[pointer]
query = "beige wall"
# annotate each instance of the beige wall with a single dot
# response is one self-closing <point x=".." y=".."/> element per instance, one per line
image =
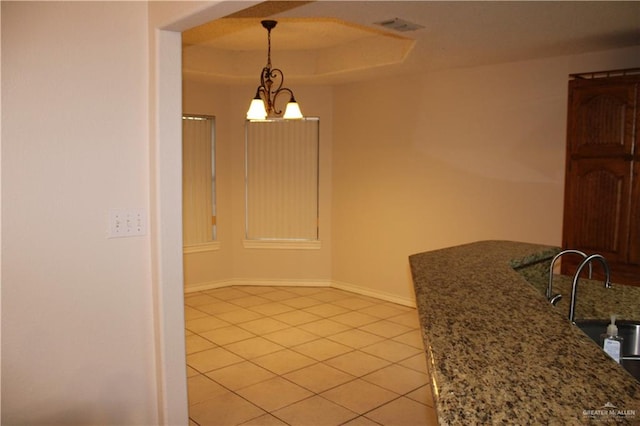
<point x="427" y="161"/>
<point x="77" y="315"/>
<point x="233" y="263"/>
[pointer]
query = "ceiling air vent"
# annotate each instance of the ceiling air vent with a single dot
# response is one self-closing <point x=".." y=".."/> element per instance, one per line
<point x="398" y="24"/>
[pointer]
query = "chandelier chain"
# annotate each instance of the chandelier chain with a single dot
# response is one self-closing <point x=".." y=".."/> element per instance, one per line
<point x="269" y="48"/>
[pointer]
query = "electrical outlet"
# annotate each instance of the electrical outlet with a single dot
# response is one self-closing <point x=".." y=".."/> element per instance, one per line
<point x="127" y="223"/>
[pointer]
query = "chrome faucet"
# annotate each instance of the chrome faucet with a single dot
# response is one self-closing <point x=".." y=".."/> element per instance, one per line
<point x="555" y="298"/>
<point x="574" y="286"/>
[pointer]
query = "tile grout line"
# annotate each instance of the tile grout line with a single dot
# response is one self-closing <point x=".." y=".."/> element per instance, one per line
<point x="349" y="308"/>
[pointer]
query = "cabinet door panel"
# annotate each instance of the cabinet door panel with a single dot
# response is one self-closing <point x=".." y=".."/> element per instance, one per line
<point x="600" y="120"/>
<point x="597" y="207"/>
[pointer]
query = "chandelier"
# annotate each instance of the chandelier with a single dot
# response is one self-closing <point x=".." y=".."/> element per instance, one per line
<point x="271" y="80"/>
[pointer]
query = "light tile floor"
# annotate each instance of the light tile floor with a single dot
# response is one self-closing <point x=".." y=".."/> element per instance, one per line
<point x="307" y="356"/>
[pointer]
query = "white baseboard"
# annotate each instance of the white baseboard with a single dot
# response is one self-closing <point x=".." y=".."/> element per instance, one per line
<point x="207" y="286"/>
<point x="257" y="282"/>
<point x="376" y="294"/>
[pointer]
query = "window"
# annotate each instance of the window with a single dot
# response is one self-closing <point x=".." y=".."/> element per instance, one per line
<point x="282" y="180"/>
<point x="198" y="183"/>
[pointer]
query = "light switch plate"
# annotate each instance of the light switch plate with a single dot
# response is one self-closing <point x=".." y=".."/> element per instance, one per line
<point x="127" y="223"/>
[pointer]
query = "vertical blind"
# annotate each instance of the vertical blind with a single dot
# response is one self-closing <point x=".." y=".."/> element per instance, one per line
<point x="282" y="180"/>
<point x="198" y="180"/>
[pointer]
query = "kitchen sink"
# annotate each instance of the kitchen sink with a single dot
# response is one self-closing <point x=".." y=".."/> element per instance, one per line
<point x="629" y="330"/>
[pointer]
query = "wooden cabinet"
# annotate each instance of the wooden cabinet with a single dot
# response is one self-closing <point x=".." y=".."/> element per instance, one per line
<point x="602" y="192"/>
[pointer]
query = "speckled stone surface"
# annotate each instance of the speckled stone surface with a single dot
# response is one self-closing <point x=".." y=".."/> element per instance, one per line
<point x="498" y="352"/>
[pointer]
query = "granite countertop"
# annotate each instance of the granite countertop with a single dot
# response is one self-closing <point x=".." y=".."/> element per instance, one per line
<point x="498" y="352"/>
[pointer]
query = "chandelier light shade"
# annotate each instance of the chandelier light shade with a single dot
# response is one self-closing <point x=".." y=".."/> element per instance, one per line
<point x="263" y="104"/>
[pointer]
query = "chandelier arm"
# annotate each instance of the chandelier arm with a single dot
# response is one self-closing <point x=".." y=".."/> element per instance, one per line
<point x="271" y="84"/>
<point x="278" y="93"/>
<point x="285" y="89"/>
<point x="276" y="73"/>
